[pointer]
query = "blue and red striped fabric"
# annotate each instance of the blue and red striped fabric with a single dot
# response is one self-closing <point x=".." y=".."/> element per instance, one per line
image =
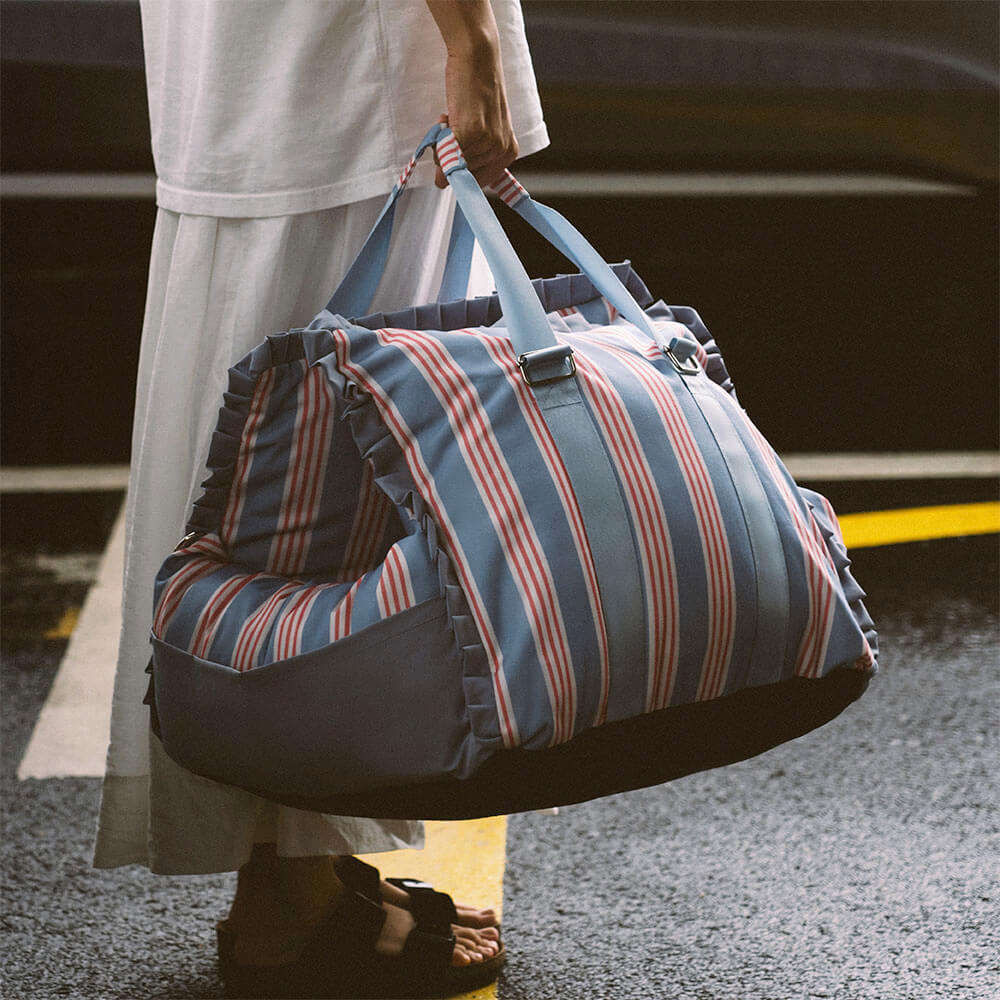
<point x="476" y="445"/>
<point x="316" y="539"/>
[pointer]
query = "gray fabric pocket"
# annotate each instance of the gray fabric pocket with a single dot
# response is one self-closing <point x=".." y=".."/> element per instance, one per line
<point x="382" y="707"/>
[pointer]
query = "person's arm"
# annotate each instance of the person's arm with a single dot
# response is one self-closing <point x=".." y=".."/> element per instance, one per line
<point x="474" y="87"/>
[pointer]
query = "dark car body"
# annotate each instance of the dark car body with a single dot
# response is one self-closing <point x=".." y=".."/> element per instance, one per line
<point x="800" y="84"/>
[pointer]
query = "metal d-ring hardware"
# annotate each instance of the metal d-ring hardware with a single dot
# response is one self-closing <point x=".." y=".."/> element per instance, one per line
<point x="189" y="539"/>
<point x="546" y="356"/>
<point x="680" y="353"/>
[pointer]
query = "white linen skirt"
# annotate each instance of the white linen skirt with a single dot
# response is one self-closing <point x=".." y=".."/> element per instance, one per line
<point x="217" y="287"/>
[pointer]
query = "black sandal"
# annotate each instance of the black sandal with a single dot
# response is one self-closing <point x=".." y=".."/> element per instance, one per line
<point x="341" y="960"/>
<point x="426" y="902"/>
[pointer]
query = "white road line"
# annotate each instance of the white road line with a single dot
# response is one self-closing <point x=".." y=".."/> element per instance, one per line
<point x="819" y="465"/>
<point x="91" y="185"/>
<point x="860" y="466"/>
<point x="574" y="184"/>
<point x="62" y="478"/>
<point x="70" y="738"/>
<point x="690" y="185"/>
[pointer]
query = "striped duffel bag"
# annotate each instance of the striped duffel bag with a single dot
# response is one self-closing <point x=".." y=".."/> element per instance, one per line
<point x="495" y="554"/>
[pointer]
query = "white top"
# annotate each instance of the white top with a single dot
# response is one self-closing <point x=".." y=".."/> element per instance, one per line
<point x="286" y="106"/>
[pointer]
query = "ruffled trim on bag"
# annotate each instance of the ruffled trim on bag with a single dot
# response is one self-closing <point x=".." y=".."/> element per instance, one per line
<point x="223" y="452"/>
<point x="378" y="445"/>
<point x="561" y="292"/>
<point x="224" y="449"/>
<point x="826" y="520"/>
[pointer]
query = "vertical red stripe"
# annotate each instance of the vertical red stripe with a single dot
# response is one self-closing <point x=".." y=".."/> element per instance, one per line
<point x="819" y="583"/>
<point x="244" y="460"/>
<point x="708" y="514"/>
<point x="306" y="471"/>
<point x="649" y="519"/>
<point x="503" y="354"/>
<point x="497" y="485"/>
<point x="449" y="540"/>
<point x="372" y="514"/>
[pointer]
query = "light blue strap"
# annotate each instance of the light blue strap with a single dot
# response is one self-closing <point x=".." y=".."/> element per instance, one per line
<point x="525" y="319"/>
<point x="356" y="290"/>
<point x="568" y="240"/>
<point x="573" y="427"/>
<point x="458" y="263"/>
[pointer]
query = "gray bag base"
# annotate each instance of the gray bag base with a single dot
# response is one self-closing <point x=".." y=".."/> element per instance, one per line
<point x="618" y="757"/>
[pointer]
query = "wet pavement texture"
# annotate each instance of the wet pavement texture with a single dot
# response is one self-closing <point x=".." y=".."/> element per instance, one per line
<point x="859" y="862"/>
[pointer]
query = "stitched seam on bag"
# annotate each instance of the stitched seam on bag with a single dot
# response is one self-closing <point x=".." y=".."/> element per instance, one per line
<point x="365" y="421"/>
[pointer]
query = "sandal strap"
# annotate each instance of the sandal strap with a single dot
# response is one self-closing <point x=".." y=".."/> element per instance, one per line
<point x="428" y="954"/>
<point x="359" y="876"/>
<point x="353" y="924"/>
<point x="429" y="907"/>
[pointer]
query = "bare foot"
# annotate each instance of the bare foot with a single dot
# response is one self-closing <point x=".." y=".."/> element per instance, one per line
<point x="471" y="944"/>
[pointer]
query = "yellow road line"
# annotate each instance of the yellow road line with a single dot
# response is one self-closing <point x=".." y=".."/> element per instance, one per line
<point x="66" y="625"/>
<point x="464" y="859"/>
<point x="915" y="524"/>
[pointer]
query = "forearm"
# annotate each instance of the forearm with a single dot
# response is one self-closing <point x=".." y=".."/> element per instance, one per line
<point x="467" y="27"/>
<point x="474" y="87"/>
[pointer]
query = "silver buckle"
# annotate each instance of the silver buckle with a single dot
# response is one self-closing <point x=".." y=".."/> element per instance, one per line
<point x="688" y="367"/>
<point x="561" y="352"/>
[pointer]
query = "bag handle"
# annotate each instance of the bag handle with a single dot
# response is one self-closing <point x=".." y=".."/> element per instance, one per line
<point x="550" y="224"/>
<point x="528" y="329"/>
<point x="356" y="290"/>
<point x="571" y="243"/>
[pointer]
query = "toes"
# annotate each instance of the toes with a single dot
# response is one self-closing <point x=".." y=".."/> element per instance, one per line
<point x="470" y="916"/>
<point x="464" y="954"/>
<point x="460" y="958"/>
<point x="474" y="941"/>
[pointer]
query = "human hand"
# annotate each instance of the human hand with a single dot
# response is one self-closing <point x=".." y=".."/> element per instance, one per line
<point x="474" y="90"/>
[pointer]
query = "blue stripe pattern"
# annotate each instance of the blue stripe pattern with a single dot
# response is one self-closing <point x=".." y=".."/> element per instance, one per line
<point x="745" y="579"/>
